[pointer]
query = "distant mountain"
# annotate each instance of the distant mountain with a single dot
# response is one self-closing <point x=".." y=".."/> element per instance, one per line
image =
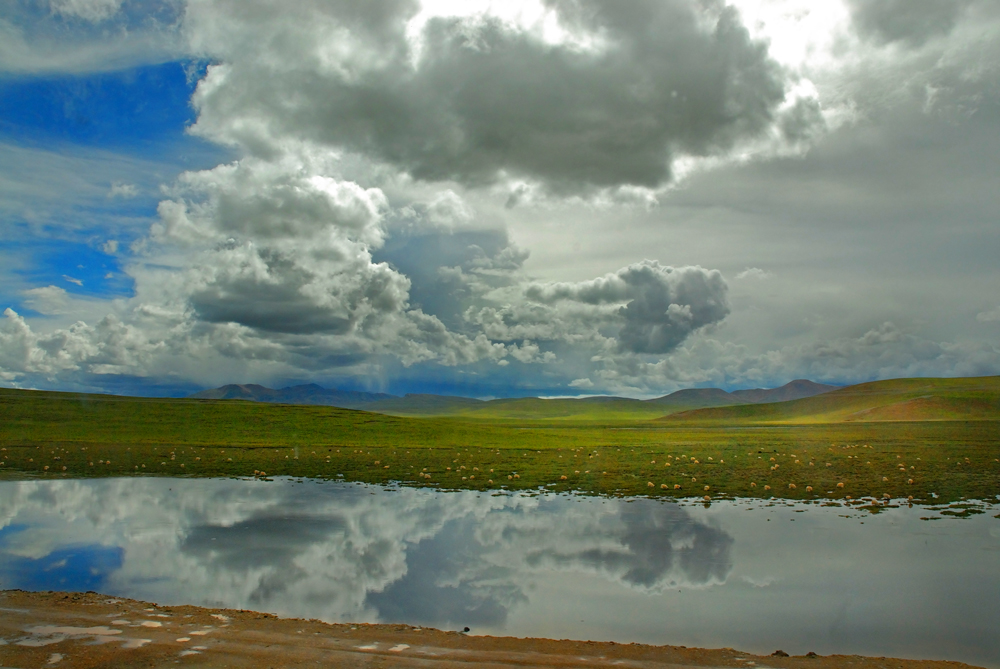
<point x="795" y="390"/>
<point x="304" y="394"/>
<point x="697" y="397"/>
<point x="598" y="407"/>
<point x="716" y="397"/>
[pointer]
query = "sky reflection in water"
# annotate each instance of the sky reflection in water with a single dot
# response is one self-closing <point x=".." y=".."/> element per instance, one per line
<point x="740" y="574"/>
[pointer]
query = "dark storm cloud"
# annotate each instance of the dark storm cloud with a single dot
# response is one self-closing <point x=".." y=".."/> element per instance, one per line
<point x="486" y="99"/>
<point x="910" y="21"/>
<point x="663" y="304"/>
<point x="666" y="309"/>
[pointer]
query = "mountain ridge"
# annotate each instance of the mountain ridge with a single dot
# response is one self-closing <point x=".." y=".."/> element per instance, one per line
<point x="511" y="408"/>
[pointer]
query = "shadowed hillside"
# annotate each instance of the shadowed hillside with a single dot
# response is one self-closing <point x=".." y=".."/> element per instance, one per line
<point x="976" y="398"/>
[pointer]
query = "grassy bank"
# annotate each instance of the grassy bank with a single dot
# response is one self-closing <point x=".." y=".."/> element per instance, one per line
<point x="69" y="435"/>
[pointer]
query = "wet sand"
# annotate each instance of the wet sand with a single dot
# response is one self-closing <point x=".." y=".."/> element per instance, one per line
<point x="82" y="630"/>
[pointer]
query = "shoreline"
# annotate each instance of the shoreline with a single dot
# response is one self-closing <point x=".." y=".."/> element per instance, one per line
<point x="69" y="630"/>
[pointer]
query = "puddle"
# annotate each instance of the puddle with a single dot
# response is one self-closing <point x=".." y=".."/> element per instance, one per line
<point x="73" y="631"/>
<point x="735" y="573"/>
<point x="46" y="635"/>
<point x="130" y="644"/>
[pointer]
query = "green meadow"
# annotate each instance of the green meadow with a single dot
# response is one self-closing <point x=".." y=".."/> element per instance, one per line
<point x="932" y="440"/>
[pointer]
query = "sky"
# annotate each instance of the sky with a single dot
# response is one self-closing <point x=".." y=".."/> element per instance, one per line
<point x="497" y="199"/>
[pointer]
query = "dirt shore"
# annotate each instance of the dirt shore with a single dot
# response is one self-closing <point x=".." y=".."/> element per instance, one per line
<point x="82" y="630"/>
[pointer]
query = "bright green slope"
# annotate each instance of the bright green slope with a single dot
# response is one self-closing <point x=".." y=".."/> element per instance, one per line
<point x="962" y="399"/>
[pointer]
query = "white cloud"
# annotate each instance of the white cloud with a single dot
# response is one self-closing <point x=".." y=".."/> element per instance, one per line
<point x="991" y="316"/>
<point x="123" y="190"/>
<point x="48" y="300"/>
<point x="396" y="162"/>
<point x="581" y="383"/>
<point x="109" y="347"/>
<point x="88" y="10"/>
<point x="265" y="267"/>
<point x="754" y="273"/>
<point x="72" y="280"/>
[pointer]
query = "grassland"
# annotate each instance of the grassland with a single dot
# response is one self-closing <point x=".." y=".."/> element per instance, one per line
<point x="55" y="435"/>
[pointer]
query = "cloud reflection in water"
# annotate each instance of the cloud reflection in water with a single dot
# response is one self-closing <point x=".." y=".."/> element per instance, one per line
<point x="349" y="552"/>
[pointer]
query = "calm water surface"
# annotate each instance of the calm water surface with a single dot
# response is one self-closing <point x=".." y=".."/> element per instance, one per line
<point x="744" y="574"/>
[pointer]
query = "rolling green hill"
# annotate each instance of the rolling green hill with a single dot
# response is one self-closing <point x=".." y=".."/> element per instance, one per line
<point x="975" y="398"/>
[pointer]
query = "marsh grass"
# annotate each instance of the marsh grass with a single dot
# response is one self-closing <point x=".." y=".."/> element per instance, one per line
<point x="99" y="436"/>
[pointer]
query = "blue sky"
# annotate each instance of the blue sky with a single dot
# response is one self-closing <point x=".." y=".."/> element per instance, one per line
<point x="497" y="199"/>
<point x="119" y="118"/>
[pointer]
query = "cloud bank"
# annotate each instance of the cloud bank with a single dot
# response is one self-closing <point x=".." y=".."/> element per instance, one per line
<point x="397" y="173"/>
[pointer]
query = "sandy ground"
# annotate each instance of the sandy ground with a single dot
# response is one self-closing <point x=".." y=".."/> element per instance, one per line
<point x="77" y="630"/>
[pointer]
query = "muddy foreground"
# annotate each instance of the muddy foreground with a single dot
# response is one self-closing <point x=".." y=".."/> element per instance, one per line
<point x="76" y="630"/>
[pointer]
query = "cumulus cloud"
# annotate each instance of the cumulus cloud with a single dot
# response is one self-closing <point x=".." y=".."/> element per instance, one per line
<point x="754" y="273"/>
<point x="282" y="250"/>
<point x="395" y="163"/>
<point x="483" y="99"/>
<point x="272" y="201"/>
<point x="109" y="347"/>
<point x="47" y="300"/>
<point x="662" y="305"/>
<point x="266" y="266"/>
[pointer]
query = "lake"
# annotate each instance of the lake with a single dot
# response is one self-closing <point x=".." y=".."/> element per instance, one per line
<point x="750" y="574"/>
